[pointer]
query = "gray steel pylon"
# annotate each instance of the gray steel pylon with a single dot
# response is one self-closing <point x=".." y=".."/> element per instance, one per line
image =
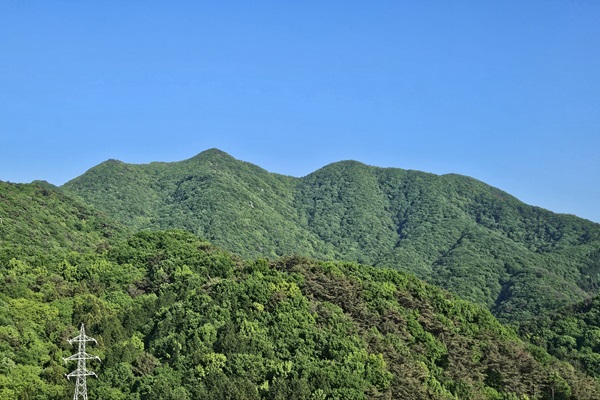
<point x="81" y="372"/>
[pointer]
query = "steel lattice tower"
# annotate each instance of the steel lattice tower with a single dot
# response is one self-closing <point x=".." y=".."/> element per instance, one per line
<point x="81" y="372"/>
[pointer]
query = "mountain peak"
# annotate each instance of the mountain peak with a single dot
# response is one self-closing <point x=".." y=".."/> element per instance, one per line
<point x="435" y="226"/>
<point x="212" y="153"/>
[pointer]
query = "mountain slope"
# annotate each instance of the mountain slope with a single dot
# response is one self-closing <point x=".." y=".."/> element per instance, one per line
<point x="39" y="218"/>
<point x="177" y="318"/>
<point x="450" y="230"/>
<point x="571" y="333"/>
<point x="234" y="204"/>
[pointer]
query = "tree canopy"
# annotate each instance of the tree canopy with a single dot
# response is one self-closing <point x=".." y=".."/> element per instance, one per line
<point x="177" y="318"/>
<point x="453" y="231"/>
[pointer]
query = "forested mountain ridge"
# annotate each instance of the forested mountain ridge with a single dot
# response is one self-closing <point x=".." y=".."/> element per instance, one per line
<point x="177" y="318"/>
<point x="39" y="219"/>
<point x="451" y="230"/>
<point x="63" y="262"/>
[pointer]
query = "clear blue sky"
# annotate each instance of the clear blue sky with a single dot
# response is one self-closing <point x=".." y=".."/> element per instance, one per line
<point x="507" y="92"/>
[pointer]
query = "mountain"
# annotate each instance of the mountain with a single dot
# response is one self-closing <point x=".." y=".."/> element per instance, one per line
<point x="178" y="318"/>
<point x="454" y="231"/>
<point x="231" y="203"/>
<point x="40" y="219"/>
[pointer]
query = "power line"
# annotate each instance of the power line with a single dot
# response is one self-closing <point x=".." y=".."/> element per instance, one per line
<point x="81" y="372"/>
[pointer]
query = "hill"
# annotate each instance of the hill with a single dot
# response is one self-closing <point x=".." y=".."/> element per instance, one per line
<point x="234" y="204"/>
<point x="40" y="219"/>
<point x="477" y="241"/>
<point x="177" y="318"/>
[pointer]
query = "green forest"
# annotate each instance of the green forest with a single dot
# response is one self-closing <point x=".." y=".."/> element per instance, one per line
<point x="452" y="231"/>
<point x="213" y="278"/>
<point x="571" y="333"/>
<point x="177" y="318"/>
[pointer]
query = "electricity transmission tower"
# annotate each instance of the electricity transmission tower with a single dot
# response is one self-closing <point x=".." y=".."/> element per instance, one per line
<point x="81" y="372"/>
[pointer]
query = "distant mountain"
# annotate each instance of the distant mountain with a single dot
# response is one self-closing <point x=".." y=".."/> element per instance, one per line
<point x="40" y="219"/>
<point x="451" y="230"/>
<point x="177" y="318"/>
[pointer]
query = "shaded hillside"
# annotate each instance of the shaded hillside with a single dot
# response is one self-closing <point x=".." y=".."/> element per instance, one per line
<point x="177" y="318"/>
<point x="40" y="219"/>
<point x="572" y="334"/>
<point x="450" y="230"/>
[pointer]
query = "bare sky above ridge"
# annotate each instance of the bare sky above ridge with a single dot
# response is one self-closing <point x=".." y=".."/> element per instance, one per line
<point x="505" y="92"/>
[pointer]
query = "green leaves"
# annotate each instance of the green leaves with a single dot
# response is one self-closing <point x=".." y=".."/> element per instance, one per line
<point x="215" y="326"/>
<point x="453" y="231"/>
<point x="180" y="318"/>
<point x="39" y="220"/>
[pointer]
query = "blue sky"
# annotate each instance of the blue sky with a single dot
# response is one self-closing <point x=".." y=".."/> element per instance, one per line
<point x="507" y="92"/>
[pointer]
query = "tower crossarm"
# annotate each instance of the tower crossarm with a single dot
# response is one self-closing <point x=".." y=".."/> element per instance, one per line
<point x="77" y="373"/>
<point x="81" y="356"/>
<point x="82" y="338"/>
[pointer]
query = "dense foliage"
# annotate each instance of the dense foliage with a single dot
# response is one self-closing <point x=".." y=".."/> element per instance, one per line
<point x="177" y="318"/>
<point x="39" y="220"/>
<point x="572" y="334"/>
<point x="453" y="231"/>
